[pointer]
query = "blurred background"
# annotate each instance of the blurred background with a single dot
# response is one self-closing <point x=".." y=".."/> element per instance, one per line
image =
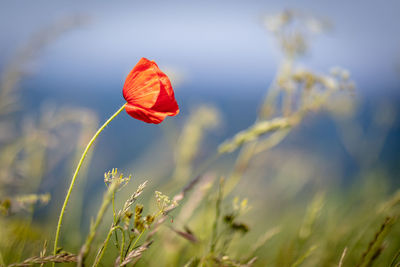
<point x="63" y="66"/>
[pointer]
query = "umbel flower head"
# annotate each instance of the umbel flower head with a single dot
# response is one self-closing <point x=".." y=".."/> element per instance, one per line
<point x="149" y="94"/>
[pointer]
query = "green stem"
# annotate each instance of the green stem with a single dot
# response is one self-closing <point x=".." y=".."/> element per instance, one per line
<point x="103" y="248"/>
<point x="217" y="215"/>
<point x="93" y="227"/>
<point x="140" y="235"/>
<point x="76" y="174"/>
<point x="113" y="207"/>
<point x="115" y="219"/>
<point x="137" y="239"/>
<point x="121" y="252"/>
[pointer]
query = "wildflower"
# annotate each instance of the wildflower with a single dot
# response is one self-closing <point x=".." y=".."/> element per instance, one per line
<point x="149" y="94"/>
<point x="150" y="98"/>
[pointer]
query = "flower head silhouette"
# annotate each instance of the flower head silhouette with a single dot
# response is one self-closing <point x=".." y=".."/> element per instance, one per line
<point x="149" y="94"/>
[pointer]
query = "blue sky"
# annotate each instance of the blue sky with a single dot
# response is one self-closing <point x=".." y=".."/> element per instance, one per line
<point x="217" y="43"/>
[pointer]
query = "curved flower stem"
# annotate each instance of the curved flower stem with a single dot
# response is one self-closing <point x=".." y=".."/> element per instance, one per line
<point x="76" y="174"/>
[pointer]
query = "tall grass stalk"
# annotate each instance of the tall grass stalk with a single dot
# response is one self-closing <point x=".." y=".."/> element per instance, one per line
<point x="217" y="215"/>
<point x="342" y="257"/>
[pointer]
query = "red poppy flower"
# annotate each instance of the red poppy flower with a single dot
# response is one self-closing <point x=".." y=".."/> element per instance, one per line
<point x="148" y="93"/>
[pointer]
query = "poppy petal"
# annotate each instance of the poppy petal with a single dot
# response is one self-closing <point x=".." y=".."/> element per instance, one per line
<point x="166" y="102"/>
<point x="144" y="114"/>
<point x="142" y="84"/>
<point x="149" y="93"/>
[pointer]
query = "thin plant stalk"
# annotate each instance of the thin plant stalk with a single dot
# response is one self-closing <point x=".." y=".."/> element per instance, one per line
<point x="130" y="245"/>
<point x="138" y="238"/>
<point x="76" y="174"/>
<point x="217" y="215"/>
<point x="103" y="248"/>
<point x="93" y="228"/>
<point x="100" y="254"/>
<point x="114" y="219"/>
